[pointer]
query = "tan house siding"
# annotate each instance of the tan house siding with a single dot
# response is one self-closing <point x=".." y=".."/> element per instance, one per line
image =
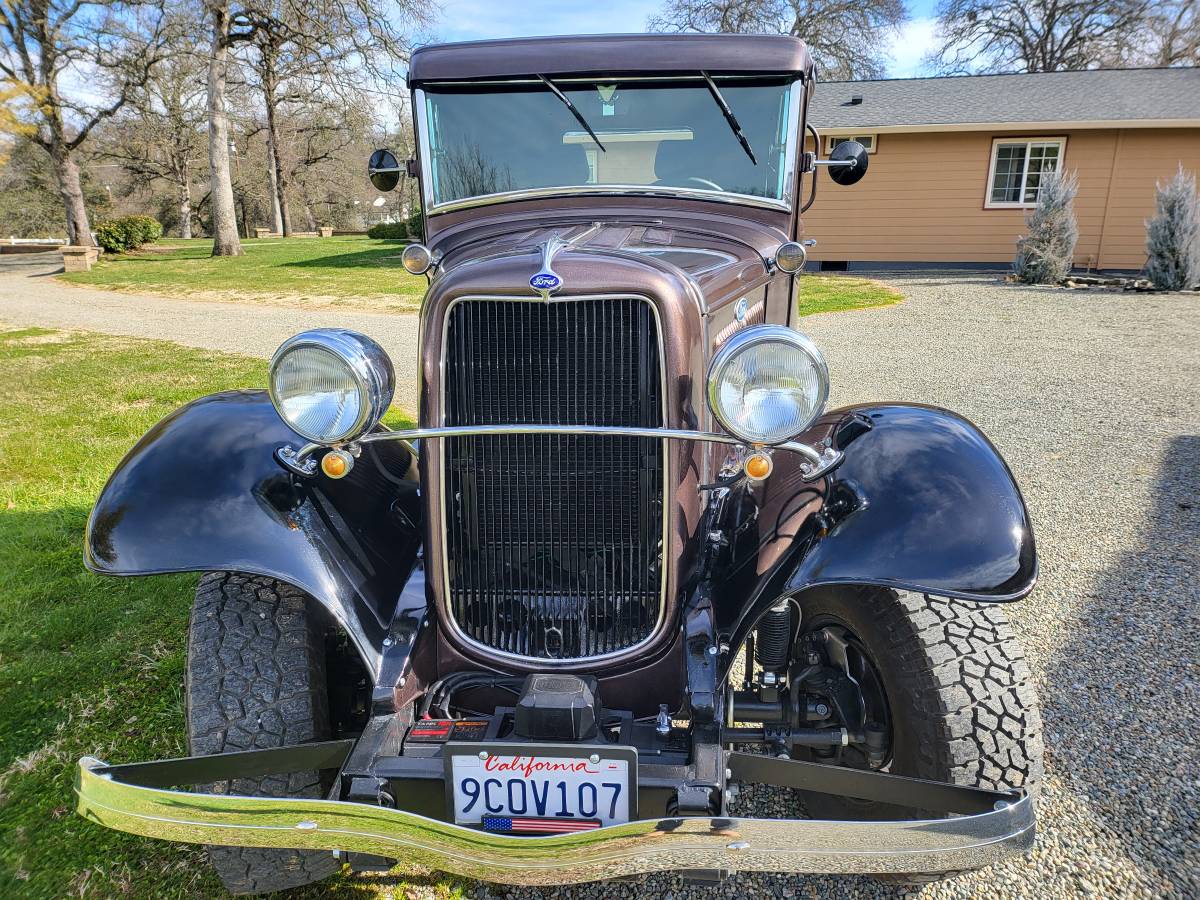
<point x="923" y="197"/>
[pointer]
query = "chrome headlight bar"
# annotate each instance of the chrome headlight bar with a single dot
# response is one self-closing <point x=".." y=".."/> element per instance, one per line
<point x="817" y="462"/>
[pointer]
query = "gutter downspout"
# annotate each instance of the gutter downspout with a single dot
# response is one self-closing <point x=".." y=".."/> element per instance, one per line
<point x="1112" y="172"/>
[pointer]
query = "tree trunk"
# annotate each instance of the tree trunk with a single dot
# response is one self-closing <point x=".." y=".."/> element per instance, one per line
<point x="79" y="232"/>
<point x="224" y="217"/>
<point x="309" y="217"/>
<point x="279" y="205"/>
<point x="273" y="186"/>
<point x="185" y="208"/>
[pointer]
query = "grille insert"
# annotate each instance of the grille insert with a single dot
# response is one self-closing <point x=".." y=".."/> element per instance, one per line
<point x="554" y="542"/>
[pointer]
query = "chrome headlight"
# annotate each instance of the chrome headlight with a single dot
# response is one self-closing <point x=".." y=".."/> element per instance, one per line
<point x="767" y="384"/>
<point x="331" y="385"/>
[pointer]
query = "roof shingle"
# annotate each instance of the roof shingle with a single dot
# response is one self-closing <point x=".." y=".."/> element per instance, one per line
<point x="1098" y="95"/>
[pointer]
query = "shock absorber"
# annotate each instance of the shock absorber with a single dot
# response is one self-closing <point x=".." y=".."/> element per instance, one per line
<point x="773" y="644"/>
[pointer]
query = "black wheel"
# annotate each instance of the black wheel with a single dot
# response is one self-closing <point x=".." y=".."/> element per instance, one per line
<point x="256" y="679"/>
<point x="947" y="679"/>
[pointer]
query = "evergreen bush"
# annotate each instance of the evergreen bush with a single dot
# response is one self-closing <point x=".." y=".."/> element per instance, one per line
<point x="127" y="233"/>
<point x="1173" y="235"/>
<point x="1045" y="254"/>
<point x="388" y="231"/>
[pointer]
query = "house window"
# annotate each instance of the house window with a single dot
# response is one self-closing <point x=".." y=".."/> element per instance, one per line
<point x="1018" y="167"/>
<point x="867" y="140"/>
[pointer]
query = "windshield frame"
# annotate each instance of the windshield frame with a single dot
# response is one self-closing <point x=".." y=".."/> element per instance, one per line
<point x="785" y="204"/>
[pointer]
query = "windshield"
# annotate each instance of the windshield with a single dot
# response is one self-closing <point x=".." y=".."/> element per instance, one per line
<point x="652" y="134"/>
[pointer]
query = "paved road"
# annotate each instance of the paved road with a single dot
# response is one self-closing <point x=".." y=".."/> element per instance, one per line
<point x="29" y="295"/>
<point x="1094" y="399"/>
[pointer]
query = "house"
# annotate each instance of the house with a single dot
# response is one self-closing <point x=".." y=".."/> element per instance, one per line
<point x="955" y="162"/>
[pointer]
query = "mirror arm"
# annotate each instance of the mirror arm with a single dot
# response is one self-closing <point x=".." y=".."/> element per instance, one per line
<point x="809" y="160"/>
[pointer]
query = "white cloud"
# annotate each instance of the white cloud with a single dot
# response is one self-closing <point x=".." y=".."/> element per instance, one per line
<point x="909" y="48"/>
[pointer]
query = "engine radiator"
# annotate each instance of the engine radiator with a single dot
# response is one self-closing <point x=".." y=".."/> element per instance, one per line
<point x="554" y="542"/>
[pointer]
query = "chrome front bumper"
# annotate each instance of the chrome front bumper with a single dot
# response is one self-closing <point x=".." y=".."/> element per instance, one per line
<point x="731" y="844"/>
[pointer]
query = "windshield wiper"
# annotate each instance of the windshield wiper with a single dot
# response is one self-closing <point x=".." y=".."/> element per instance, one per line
<point x="734" y="126"/>
<point x="571" y="106"/>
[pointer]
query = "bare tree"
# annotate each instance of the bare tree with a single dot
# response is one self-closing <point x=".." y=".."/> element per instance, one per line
<point x="848" y="38"/>
<point x="1169" y="35"/>
<point x="979" y="36"/>
<point x="305" y="52"/>
<point x="317" y="140"/>
<point x="116" y="43"/>
<point x="160" y="136"/>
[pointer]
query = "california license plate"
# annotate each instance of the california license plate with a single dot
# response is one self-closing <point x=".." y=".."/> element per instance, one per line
<point x="541" y="789"/>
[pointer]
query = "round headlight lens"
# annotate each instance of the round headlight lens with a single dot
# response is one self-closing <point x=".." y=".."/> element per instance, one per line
<point x="790" y="257"/>
<point x="767" y="384"/>
<point x="330" y="385"/>
<point x="416" y="258"/>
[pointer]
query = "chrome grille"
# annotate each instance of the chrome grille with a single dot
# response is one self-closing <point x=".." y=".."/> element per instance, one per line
<point x="554" y="542"/>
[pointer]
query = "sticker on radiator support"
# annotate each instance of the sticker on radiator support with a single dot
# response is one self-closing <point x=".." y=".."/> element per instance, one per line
<point x="471" y="729"/>
<point x="431" y="731"/>
<point x="438" y="731"/>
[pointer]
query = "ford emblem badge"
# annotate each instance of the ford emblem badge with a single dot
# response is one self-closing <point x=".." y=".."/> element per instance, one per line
<point x="545" y="281"/>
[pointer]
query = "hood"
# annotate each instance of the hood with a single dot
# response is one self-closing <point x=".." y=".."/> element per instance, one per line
<point x="717" y="260"/>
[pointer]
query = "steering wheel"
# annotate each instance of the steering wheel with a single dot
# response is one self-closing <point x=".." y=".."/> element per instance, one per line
<point x="704" y="181"/>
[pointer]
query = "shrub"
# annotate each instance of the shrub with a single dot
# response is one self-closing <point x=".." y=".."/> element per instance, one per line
<point x="415" y="226"/>
<point x="127" y="233"/>
<point x="111" y="236"/>
<point x="1173" y="235"/>
<point x="388" y="231"/>
<point x="1044" y="255"/>
<point x="147" y="227"/>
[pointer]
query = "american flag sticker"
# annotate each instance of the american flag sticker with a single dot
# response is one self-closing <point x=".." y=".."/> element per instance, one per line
<point x="528" y="825"/>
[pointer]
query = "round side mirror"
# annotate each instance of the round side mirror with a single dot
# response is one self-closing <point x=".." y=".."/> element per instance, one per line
<point x="848" y="150"/>
<point x="384" y="170"/>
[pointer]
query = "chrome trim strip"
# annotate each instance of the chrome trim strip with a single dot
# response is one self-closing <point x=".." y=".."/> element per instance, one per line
<point x="766" y="845"/>
<point x="612" y="190"/>
<point x="668" y="499"/>
<point x="825" y="460"/>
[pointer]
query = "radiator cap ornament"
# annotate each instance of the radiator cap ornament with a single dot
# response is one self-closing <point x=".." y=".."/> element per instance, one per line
<point x="546" y="281"/>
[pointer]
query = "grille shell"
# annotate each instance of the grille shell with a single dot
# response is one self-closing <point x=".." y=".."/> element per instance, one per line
<point x="553" y="543"/>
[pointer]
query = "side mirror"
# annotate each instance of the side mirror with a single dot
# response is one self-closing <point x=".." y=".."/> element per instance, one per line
<point x="384" y="170"/>
<point x="848" y="163"/>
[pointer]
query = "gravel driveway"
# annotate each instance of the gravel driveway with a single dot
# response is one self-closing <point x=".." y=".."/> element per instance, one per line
<point x="29" y="295"/>
<point x="1094" y="399"/>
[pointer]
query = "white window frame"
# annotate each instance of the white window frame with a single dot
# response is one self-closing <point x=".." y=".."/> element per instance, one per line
<point x="988" y="203"/>
<point x="832" y="139"/>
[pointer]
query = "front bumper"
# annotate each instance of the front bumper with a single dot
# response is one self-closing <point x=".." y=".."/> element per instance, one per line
<point x="692" y="842"/>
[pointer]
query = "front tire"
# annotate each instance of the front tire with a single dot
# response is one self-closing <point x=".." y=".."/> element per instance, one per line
<point x="959" y="692"/>
<point x="256" y="679"/>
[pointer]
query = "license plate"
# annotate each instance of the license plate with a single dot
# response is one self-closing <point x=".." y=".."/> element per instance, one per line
<point x="537" y="788"/>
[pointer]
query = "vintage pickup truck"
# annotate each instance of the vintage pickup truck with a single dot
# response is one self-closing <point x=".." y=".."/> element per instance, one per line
<point x="627" y="563"/>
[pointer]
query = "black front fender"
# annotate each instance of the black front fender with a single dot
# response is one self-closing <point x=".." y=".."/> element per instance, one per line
<point x="922" y="502"/>
<point x="202" y="491"/>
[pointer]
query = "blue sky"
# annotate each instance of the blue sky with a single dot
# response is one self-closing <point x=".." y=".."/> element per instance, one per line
<point x="466" y="20"/>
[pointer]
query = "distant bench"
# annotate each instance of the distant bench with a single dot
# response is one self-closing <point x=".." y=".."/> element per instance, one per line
<point x="268" y="233"/>
<point x="26" y="246"/>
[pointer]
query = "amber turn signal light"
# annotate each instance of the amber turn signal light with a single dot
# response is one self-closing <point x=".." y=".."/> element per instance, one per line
<point x="337" y="464"/>
<point x="758" y="466"/>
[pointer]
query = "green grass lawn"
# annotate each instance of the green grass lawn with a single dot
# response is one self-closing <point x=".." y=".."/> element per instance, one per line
<point x="94" y="665"/>
<point x="337" y="271"/>
<point x="352" y="272"/>
<point x="838" y="293"/>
